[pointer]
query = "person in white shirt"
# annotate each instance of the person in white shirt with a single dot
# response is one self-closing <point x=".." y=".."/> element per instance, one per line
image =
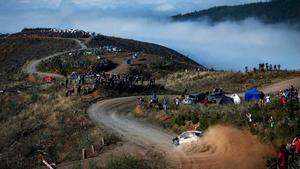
<point x="268" y="99"/>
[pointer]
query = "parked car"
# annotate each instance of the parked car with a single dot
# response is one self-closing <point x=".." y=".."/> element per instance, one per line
<point x="194" y="98"/>
<point x="215" y="95"/>
<point x="187" y="137"/>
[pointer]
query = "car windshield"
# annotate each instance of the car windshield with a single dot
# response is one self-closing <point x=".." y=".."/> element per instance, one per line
<point x="186" y="135"/>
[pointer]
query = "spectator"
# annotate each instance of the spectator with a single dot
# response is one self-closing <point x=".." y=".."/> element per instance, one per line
<point x="177" y="102"/>
<point x="165" y="105"/>
<point x="283" y="99"/>
<point x="249" y="116"/>
<point x="262" y="98"/>
<point x="272" y="122"/>
<point x="79" y="89"/>
<point x="268" y="99"/>
<point x="205" y="101"/>
<point x="282" y="157"/>
<point x="67" y="82"/>
<point x="296" y="142"/>
<point x="291" y="149"/>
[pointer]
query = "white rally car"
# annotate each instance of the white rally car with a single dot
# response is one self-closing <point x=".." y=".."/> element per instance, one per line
<point x="187" y="137"/>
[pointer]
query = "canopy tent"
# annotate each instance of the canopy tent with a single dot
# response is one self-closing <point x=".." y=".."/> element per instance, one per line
<point x="74" y="75"/>
<point x="225" y="100"/>
<point x="236" y="98"/>
<point x="49" y="79"/>
<point x="252" y="94"/>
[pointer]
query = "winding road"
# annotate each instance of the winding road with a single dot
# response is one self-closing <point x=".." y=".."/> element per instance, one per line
<point x="31" y="67"/>
<point x="220" y="146"/>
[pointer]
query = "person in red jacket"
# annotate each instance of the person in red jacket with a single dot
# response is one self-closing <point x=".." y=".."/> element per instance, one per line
<point x="283" y="100"/>
<point x="205" y="101"/>
<point x="282" y="157"/>
<point x="296" y="142"/>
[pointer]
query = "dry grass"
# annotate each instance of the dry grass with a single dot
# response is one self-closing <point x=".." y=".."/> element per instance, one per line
<point x="53" y="124"/>
<point x="15" y="51"/>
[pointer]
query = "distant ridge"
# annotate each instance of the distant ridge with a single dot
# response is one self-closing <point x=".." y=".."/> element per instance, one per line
<point x="275" y="11"/>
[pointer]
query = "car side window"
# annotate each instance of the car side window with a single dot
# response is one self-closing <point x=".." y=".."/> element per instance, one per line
<point x="198" y="134"/>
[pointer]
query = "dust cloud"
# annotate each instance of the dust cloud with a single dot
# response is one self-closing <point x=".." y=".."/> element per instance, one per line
<point x="225" y="147"/>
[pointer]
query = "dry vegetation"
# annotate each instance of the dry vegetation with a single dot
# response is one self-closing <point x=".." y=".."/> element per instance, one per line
<point x="46" y="122"/>
<point x="15" y="51"/>
<point x="231" y="82"/>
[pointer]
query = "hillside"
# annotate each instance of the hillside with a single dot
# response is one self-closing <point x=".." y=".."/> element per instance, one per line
<point x="15" y="51"/>
<point x="276" y="11"/>
<point x="178" y="60"/>
<point x="231" y="82"/>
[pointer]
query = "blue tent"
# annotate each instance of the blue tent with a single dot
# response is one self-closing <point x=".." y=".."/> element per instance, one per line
<point x="252" y="94"/>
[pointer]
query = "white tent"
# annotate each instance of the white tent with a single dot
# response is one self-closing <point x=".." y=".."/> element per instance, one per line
<point x="236" y="98"/>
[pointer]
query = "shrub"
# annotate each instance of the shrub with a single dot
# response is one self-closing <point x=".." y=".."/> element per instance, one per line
<point x="203" y="124"/>
<point x="12" y="105"/>
<point x="195" y="118"/>
<point x="34" y="97"/>
<point x="180" y="120"/>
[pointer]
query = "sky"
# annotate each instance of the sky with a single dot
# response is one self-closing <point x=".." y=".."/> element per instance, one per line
<point x="226" y="45"/>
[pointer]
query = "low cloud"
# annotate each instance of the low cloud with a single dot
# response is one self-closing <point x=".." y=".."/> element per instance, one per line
<point x="226" y="45"/>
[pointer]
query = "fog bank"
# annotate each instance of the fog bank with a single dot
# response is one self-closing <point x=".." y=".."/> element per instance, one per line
<point x="226" y="45"/>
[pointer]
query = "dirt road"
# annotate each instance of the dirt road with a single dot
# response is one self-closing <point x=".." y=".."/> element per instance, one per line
<point x="115" y="114"/>
<point x="276" y="87"/>
<point x="30" y="67"/>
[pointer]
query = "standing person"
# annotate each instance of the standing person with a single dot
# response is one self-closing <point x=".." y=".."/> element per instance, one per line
<point x="79" y="89"/>
<point x="142" y="101"/>
<point x="283" y="100"/>
<point x="177" y="102"/>
<point x="249" y="116"/>
<point x="83" y="79"/>
<point x="296" y="142"/>
<point x="282" y="157"/>
<point x="268" y="99"/>
<point x="165" y="105"/>
<point x="290" y="147"/>
<point x="67" y="82"/>
<point x="205" y="101"/>
<point x="262" y="98"/>
<point x="272" y="122"/>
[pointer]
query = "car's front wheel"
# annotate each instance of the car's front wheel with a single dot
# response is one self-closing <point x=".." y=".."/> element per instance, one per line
<point x="176" y="142"/>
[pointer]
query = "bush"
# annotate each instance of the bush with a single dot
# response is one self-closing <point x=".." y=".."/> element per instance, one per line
<point x="203" y="124"/>
<point x="195" y="118"/>
<point x="180" y="120"/>
<point x="34" y="97"/>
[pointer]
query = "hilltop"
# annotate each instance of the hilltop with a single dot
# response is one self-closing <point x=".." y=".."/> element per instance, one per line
<point x="36" y="43"/>
<point x="276" y="11"/>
